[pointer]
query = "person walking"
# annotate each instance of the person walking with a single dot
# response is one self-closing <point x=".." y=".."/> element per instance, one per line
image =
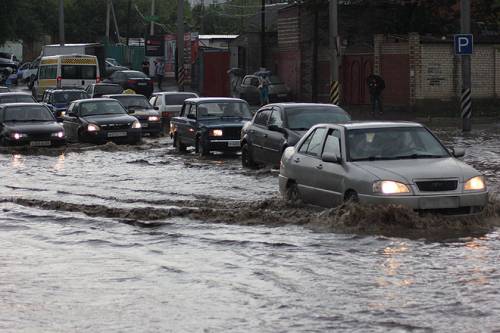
<point x="145" y="66"/>
<point x="376" y="85"/>
<point x="159" y="72"/>
<point x="264" y="89"/>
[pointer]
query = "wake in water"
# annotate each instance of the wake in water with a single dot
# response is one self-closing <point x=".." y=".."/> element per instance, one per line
<point x="394" y="221"/>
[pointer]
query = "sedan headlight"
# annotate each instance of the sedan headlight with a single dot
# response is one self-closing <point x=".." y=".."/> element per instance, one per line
<point x="17" y="136"/>
<point x="59" y="135"/>
<point x="63" y="113"/>
<point x="475" y="184"/>
<point x="390" y="187"/>
<point x="136" y="124"/>
<point x="92" y="128"/>
<point x="216" y="132"/>
<point x="153" y="118"/>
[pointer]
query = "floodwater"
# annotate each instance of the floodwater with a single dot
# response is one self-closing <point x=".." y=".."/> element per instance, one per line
<point x="123" y="239"/>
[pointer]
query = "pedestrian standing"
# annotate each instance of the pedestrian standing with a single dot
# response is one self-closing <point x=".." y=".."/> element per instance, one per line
<point x="376" y="85"/>
<point x="145" y="66"/>
<point x="159" y="72"/>
<point x="264" y="89"/>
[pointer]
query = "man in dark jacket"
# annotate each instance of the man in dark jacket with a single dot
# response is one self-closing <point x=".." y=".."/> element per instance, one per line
<point x="376" y="85"/>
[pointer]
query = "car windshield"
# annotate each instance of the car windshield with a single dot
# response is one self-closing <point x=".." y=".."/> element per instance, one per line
<point x="301" y="118"/>
<point x="224" y="109"/>
<point x="28" y="113"/>
<point x="5" y="55"/>
<point x="139" y="102"/>
<point x="132" y="75"/>
<point x="16" y="99"/>
<point x="177" y="99"/>
<point x="69" y="96"/>
<point x="100" y="90"/>
<point x="102" y="107"/>
<point x="393" y="143"/>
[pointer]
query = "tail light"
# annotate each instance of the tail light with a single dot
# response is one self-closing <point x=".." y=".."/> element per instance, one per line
<point x="131" y="81"/>
<point x="58" y="80"/>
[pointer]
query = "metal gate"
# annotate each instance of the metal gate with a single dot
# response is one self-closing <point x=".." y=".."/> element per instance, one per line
<point x="355" y="71"/>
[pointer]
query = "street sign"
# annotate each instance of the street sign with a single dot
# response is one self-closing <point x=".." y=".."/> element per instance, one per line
<point x="154" y="46"/>
<point x="463" y="44"/>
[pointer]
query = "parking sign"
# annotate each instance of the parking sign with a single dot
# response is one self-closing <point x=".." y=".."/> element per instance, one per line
<point x="463" y="44"/>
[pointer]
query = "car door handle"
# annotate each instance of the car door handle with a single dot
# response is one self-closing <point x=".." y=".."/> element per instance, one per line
<point x="296" y="160"/>
<point x="319" y="166"/>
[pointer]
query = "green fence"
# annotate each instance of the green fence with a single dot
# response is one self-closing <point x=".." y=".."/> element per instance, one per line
<point x="131" y="56"/>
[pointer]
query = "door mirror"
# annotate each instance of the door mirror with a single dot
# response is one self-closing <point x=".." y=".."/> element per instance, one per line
<point x="71" y="114"/>
<point x="458" y="152"/>
<point x="156" y="108"/>
<point x="191" y="116"/>
<point x="331" y="158"/>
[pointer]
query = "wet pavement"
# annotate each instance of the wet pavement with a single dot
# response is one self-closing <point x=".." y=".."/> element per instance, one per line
<point x="139" y="238"/>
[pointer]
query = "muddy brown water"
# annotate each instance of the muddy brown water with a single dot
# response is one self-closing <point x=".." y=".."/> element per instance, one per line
<point x="120" y="238"/>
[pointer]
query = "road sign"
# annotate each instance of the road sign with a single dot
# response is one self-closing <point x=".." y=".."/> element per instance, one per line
<point x="463" y="44"/>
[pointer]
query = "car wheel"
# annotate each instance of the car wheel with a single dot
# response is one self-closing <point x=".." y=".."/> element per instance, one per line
<point x="351" y="196"/>
<point x="179" y="146"/>
<point x="247" y="160"/>
<point x="201" y="149"/>
<point x="292" y="194"/>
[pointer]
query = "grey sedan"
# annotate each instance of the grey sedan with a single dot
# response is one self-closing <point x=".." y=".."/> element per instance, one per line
<point x="380" y="163"/>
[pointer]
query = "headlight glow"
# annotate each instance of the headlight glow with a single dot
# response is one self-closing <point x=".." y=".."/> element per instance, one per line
<point x="153" y="118"/>
<point x="92" y="128"/>
<point x="136" y="124"/>
<point x="59" y="135"/>
<point x="475" y="184"/>
<point x="390" y="187"/>
<point x="17" y="136"/>
<point x="63" y="113"/>
<point x="216" y="132"/>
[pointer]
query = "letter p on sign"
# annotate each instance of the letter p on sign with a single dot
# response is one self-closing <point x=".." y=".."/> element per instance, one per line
<point x="463" y="44"/>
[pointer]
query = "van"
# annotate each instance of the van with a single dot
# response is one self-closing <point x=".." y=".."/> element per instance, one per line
<point x="66" y="71"/>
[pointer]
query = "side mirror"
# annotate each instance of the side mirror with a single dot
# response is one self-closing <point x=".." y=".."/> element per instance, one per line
<point x="71" y="114"/>
<point x="458" y="152"/>
<point x="191" y="116"/>
<point x="156" y="108"/>
<point x="331" y="158"/>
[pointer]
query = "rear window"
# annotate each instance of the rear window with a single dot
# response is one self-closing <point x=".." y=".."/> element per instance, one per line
<point x="17" y="99"/>
<point x="177" y="99"/>
<point x="134" y="101"/>
<point x="69" y="96"/>
<point x="105" y="107"/>
<point x="107" y="90"/>
<point x="79" y="72"/>
<point x="28" y="113"/>
<point x="140" y="75"/>
<point x="302" y="118"/>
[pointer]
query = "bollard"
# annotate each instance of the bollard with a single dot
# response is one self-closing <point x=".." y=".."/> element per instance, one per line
<point x="466" y="107"/>
<point x="335" y="92"/>
<point x="180" y="77"/>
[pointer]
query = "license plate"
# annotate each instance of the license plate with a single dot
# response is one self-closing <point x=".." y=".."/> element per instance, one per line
<point x="438" y="202"/>
<point x="116" y="134"/>
<point x="40" y="143"/>
<point x="233" y="143"/>
<point x="142" y="83"/>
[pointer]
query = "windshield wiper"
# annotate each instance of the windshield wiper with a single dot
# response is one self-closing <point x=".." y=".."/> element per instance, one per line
<point x="372" y="158"/>
<point x="418" y="156"/>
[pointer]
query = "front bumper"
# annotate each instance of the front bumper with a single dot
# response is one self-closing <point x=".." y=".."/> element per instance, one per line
<point x="459" y="203"/>
<point x="130" y="135"/>
<point x="35" y="143"/>
<point x="223" y="144"/>
<point x="150" y="127"/>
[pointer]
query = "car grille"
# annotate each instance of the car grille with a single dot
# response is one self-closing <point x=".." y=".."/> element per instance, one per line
<point x="40" y="136"/>
<point x="111" y="127"/>
<point x="231" y="133"/>
<point x="437" y="185"/>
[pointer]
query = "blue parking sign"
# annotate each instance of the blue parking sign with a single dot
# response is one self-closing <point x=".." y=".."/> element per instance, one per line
<point x="463" y="44"/>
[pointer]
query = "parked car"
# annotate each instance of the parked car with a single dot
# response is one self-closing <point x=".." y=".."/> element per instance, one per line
<point x="169" y="104"/>
<point x="139" y="82"/>
<point x="249" y="90"/>
<point x="7" y="68"/>
<point x="112" y="66"/>
<point x="4" y="89"/>
<point x="20" y="72"/>
<point x="97" y="90"/>
<point x="10" y="57"/>
<point x="139" y="107"/>
<point x="16" y="97"/>
<point x="275" y="127"/>
<point x="29" y="124"/>
<point x="58" y="100"/>
<point x="399" y="163"/>
<point x="100" y="120"/>
<point x="210" y="124"/>
<point x="29" y="75"/>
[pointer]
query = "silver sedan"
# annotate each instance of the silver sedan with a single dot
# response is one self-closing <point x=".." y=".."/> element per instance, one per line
<point x="380" y="163"/>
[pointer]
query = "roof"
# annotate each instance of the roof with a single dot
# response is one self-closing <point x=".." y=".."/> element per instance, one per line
<point x="213" y="99"/>
<point x="21" y="104"/>
<point x="98" y="100"/>
<point x="65" y="89"/>
<point x="217" y="36"/>
<point x="105" y="84"/>
<point x="122" y="95"/>
<point x="379" y="124"/>
<point x="14" y="93"/>
<point x="80" y="44"/>
<point x="292" y="104"/>
<point x="173" y="93"/>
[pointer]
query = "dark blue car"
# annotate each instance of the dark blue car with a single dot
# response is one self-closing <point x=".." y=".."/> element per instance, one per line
<point x="210" y="124"/>
<point x="58" y="100"/>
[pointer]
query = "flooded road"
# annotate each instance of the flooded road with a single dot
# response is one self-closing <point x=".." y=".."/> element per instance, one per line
<point x="120" y="238"/>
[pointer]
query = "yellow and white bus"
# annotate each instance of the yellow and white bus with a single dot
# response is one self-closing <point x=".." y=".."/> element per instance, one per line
<point x="66" y="71"/>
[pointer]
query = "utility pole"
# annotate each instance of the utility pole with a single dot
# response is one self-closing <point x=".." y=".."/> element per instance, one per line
<point x="314" y="83"/>
<point x="115" y="21"/>
<point x="180" y="44"/>
<point x="61" y="22"/>
<point x="108" y="17"/>
<point x="129" y="5"/>
<point x="152" y="26"/>
<point x="263" y="34"/>
<point x="202" y="21"/>
<point x="334" y="53"/>
<point x="466" y="100"/>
